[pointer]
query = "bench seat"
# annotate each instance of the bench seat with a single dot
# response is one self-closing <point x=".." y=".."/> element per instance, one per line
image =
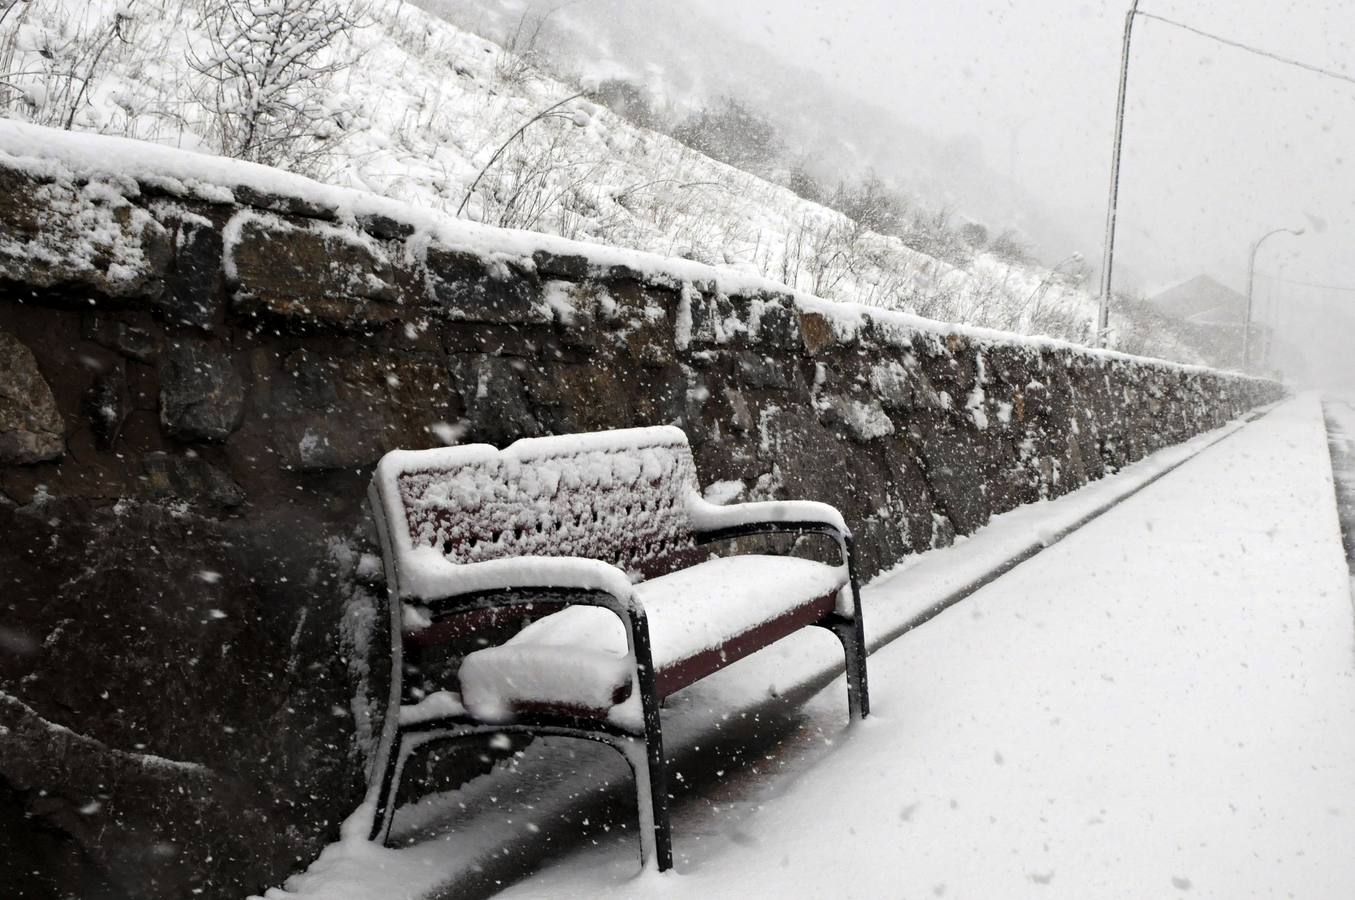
<point x="700" y="619"/>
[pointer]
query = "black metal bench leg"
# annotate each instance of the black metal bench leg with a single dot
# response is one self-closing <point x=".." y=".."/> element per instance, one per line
<point x="656" y="770"/>
<point x="657" y="801"/>
<point x="852" y="636"/>
<point x="854" y="645"/>
<point x="384" y="813"/>
<point x="652" y="778"/>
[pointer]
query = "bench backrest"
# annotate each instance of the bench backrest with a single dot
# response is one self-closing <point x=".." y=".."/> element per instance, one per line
<point x="616" y="496"/>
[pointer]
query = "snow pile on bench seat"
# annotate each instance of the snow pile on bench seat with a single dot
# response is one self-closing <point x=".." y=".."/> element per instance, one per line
<point x="578" y="659"/>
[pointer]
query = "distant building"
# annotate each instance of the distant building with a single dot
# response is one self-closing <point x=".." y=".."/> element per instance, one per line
<point x="1211" y="317"/>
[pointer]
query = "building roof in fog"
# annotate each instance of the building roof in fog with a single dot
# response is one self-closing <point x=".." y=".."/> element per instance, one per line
<point x="1203" y="301"/>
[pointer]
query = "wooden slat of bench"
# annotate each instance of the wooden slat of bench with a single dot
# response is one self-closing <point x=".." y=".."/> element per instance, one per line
<point x="682" y="673"/>
<point x="676" y="676"/>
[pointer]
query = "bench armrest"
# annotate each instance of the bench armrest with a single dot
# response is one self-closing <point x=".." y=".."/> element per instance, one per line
<point x="711" y="521"/>
<point x="427" y="576"/>
<point x="527" y="581"/>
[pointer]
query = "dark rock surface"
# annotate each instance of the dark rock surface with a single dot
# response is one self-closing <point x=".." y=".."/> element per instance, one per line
<point x="202" y="396"/>
<point x="190" y="408"/>
<point x="31" y="429"/>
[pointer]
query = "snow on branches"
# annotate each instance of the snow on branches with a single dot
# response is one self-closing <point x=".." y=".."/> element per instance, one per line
<point x="266" y="71"/>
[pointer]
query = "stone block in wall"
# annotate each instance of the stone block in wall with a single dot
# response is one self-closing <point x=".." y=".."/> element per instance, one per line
<point x="107" y="405"/>
<point x="57" y="234"/>
<point x="712" y="317"/>
<point x="863" y="420"/>
<point x="333" y="407"/>
<point x="571" y="267"/>
<point x="772" y="322"/>
<point x="759" y="371"/>
<point x="640" y="320"/>
<point x="129" y="823"/>
<point x="469" y="288"/>
<point x="957" y="371"/>
<point x="900" y="385"/>
<point x="578" y="309"/>
<point x="808" y="455"/>
<point x="310" y="383"/>
<point x="309" y="275"/>
<point x="282" y="204"/>
<point x="202" y="396"/>
<point x="193" y="293"/>
<point x="587" y="397"/>
<point x="31" y="428"/>
<point x="956" y="465"/>
<point x="495" y="340"/>
<point x="650" y="345"/>
<point x="320" y="442"/>
<point x="133" y="340"/>
<point x="740" y="419"/>
<point x="816" y="333"/>
<point x="192" y="478"/>
<point x="910" y="502"/>
<point x="384" y="228"/>
<point x="495" y="398"/>
<point x="1074" y="470"/>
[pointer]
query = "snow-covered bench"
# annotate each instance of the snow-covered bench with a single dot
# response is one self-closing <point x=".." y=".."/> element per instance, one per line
<point x="600" y="537"/>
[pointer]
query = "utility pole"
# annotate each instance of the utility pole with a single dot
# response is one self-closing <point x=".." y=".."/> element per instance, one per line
<point x="1108" y="261"/>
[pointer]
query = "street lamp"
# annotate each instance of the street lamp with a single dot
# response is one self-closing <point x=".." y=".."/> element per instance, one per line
<point x="1251" y="278"/>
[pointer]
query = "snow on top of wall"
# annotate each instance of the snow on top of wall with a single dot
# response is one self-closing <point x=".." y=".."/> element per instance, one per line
<point x="127" y="164"/>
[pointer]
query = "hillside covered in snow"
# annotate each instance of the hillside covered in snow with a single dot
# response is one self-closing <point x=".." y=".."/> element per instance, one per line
<point x="385" y="97"/>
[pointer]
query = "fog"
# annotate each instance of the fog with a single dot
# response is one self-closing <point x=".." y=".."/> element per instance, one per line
<point x="1220" y="145"/>
<point x="1003" y="112"/>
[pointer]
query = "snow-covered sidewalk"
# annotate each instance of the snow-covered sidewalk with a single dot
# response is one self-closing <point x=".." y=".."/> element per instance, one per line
<point x="1163" y="702"/>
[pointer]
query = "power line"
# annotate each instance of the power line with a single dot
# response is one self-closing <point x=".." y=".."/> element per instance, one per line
<point x="1311" y="284"/>
<point x="1249" y="48"/>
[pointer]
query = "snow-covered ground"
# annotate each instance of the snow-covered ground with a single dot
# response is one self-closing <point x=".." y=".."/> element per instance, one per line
<point x="1161" y="703"/>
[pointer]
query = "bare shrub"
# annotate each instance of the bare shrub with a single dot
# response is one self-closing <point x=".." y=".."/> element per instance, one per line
<point x="628" y="100"/>
<point x="530" y="169"/>
<point x="1009" y="248"/>
<point x="932" y="234"/>
<point x="803" y="184"/>
<point x="49" y="57"/>
<point x="521" y="55"/>
<point x="535" y="182"/>
<point x="733" y="133"/>
<point x="974" y="234"/>
<point x="267" y="70"/>
<point x="871" y="203"/>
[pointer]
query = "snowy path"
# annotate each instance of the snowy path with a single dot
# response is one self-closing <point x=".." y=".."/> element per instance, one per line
<point x="1162" y="702"/>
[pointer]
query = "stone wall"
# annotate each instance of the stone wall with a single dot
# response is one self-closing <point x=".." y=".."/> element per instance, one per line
<point x="195" y="383"/>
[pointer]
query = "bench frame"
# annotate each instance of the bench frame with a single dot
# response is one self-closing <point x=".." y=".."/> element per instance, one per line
<point x="642" y="748"/>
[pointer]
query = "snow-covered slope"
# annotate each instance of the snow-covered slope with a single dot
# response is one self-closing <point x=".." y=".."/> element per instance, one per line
<point x="685" y="56"/>
<point x="421" y="111"/>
